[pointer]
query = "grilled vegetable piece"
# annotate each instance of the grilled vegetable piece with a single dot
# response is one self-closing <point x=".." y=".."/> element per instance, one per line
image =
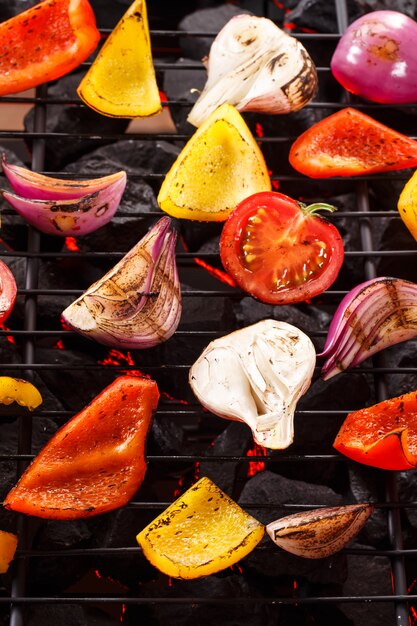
<point x="8" y="292"/>
<point x="79" y="216"/>
<point x="256" y="375"/>
<point x="121" y="81"/>
<point x="20" y="391"/>
<point x="280" y="250"/>
<point x="374" y="315"/>
<point x="95" y="463"/>
<point x="201" y="533"/>
<point x="35" y="186"/>
<point x="256" y="66"/>
<point x="375" y="58"/>
<point x="319" y="533"/>
<point x="137" y="304"/>
<point x="350" y="143"/>
<point x="407" y="205"/>
<point x="45" y="42"/>
<point x="8" y="545"/>
<point x="383" y="435"/>
<point x="219" y="166"/>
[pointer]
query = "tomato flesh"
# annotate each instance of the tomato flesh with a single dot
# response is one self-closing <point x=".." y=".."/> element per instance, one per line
<point x="278" y="253"/>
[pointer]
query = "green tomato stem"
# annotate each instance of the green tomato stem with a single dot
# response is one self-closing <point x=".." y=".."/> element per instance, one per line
<point x="313" y="209"/>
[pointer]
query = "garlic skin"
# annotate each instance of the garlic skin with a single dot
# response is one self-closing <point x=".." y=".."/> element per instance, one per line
<point x="137" y="304"/>
<point x="256" y="375"/>
<point x="319" y="533"/>
<point x="256" y="66"/>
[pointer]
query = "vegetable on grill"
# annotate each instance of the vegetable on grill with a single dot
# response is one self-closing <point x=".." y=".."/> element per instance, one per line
<point x="407" y="205"/>
<point x="279" y="250"/>
<point x="350" y="143"/>
<point x="201" y="533"/>
<point x="256" y="66"/>
<point x="256" y="375"/>
<point x="121" y="81"/>
<point x="45" y="42"/>
<point x="374" y="315"/>
<point x="21" y="391"/>
<point x="375" y="58"/>
<point x="96" y="462"/>
<point x="219" y="166"/>
<point x="383" y="435"/>
<point x="137" y="304"/>
<point x="319" y="533"/>
<point x="8" y="545"/>
<point x="8" y="292"/>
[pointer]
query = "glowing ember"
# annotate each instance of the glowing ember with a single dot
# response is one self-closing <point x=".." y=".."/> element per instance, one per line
<point x="71" y="244"/>
<point x="117" y="357"/>
<point x="9" y="338"/>
<point x="255" y="467"/>
<point x="214" y="271"/>
<point x="60" y="345"/>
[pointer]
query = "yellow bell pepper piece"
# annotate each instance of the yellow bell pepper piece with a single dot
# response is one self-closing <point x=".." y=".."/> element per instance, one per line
<point x="201" y="533"/>
<point x="121" y="81"/>
<point x="20" y="391"/>
<point x="407" y="205"/>
<point x="8" y="545"/>
<point x="220" y="166"/>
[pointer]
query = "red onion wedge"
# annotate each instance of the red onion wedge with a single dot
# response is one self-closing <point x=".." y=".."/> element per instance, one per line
<point x="319" y="533"/>
<point x="79" y="216"/>
<point x="376" y="58"/>
<point x="374" y="315"/>
<point x="35" y="186"/>
<point x="137" y="304"/>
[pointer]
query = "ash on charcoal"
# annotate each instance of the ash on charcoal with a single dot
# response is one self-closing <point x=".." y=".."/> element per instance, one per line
<point x="319" y="15"/>
<point x="75" y="120"/>
<point x="118" y="529"/>
<point x="189" y="614"/>
<point x="68" y="614"/>
<point x="307" y="318"/>
<point x="235" y="440"/>
<point x="183" y="85"/>
<point x="209" y="20"/>
<point x="367" y="484"/>
<point x="271" y="491"/>
<point x="403" y="6"/>
<point x="166" y="436"/>
<point x="14" y="7"/>
<point x="369" y="575"/>
<point x="397" y="237"/>
<point x="54" y="574"/>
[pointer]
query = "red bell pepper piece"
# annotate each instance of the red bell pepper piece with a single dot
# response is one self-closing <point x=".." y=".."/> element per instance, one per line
<point x="350" y="143"/>
<point x="383" y="435"/>
<point x="95" y="463"/>
<point x="45" y="42"/>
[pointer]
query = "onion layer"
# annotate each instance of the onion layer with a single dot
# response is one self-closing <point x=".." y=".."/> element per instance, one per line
<point x="35" y="186"/>
<point x="376" y="58"/>
<point x="319" y="533"/>
<point x="374" y="315"/>
<point x="137" y="304"/>
<point x="255" y="66"/>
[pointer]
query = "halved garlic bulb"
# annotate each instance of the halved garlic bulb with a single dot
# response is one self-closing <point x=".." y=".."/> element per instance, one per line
<point x="137" y="304"/>
<point x="319" y="533"/>
<point x="256" y="375"/>
<point x="256" y="66"/>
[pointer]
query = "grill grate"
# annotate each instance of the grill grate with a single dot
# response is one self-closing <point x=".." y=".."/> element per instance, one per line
<point x="29" y="335"/>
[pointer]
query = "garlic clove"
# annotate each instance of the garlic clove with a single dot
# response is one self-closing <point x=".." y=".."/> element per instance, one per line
<point x="319" y="533"/>
<point x="137" y="304"/>
<point x="256" y="375"/>
<point x="256" y="66"/>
